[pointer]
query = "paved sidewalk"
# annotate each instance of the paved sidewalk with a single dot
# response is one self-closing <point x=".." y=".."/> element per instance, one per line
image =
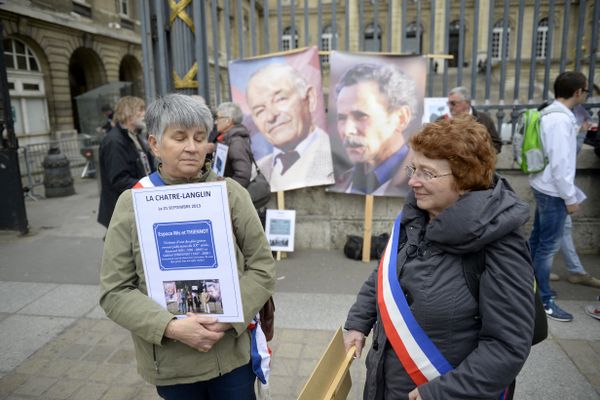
<point x="56" y="343"/>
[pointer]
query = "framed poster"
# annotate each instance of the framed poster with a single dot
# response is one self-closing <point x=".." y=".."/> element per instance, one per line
<point x="282" y="100"/>
<point x="280" y="229"/>
<point x="187" y="248"/>
<point x="375" y="105"/>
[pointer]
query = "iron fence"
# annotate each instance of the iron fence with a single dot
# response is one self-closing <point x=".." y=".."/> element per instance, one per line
<point x="506" y="52"/>
<point x="31" y="159"/>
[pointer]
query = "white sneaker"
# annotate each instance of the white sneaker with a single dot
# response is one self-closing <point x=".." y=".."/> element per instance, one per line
<point x="554" y="277"/>
<point x="593" y="311"/>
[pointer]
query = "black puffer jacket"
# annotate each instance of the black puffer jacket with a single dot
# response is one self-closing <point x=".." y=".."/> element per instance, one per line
<point x="487" y="342"/>
<point x="239" y="162"/>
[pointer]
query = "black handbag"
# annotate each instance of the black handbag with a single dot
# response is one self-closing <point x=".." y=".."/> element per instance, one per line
<point x="260" y="190"/>
<point x="259" y="187"/>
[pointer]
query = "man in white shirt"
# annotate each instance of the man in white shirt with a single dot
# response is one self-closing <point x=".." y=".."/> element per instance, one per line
<point x="554" y="189"/>
<point x="282" y="103"/>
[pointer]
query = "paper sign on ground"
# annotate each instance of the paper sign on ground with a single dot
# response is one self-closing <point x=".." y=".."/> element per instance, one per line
<point x="187" y="248"/>
<point x="220" y="159"/>
<point x="280" y="229"/>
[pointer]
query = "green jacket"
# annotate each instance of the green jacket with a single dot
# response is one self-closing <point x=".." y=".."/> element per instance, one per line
<point x="162" y="361"/>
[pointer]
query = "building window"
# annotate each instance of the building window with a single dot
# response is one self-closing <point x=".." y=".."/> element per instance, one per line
<point x="372" y="37"/>
<point x="124" y="7"/>
<point x="289" y="40"/>
<point x="500" y="41"/>
<point x="541" y="41"/>
<point x="327" y="42"/>
<point x="26" y="88"/>
<point x="414" y="38"/>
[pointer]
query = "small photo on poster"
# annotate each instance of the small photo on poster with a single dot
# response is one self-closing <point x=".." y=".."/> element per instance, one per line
<point x="195" y="296"/>
<point x="280" y="229"/>
<point x="434" y="108"/>
<point x="220" y="159"/>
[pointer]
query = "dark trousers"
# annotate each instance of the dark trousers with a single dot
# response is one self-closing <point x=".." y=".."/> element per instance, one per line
<point x="235" y="385"/>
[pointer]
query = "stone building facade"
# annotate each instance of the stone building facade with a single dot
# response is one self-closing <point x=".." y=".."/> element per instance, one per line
<point x="56" y="50"/>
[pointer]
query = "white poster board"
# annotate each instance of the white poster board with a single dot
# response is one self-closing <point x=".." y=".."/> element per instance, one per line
<point x="220" y="159"/>
<point x="280" y="229"/>
<point x="434" y="107"/>
<point x="187" y="248"/>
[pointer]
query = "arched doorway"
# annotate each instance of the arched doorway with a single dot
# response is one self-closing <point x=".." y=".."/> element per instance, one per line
<point x="86" y="72"/>
<point x="130" y="70"/>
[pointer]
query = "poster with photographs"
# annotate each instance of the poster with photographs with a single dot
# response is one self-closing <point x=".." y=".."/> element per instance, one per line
<point x="220" y="159"/>
<point x="187" y="248"/>
<point x="434" y="108"/>
<point x="282" y="100"/>
<point x="375" y="105"/>
<point x="280" y="228"/>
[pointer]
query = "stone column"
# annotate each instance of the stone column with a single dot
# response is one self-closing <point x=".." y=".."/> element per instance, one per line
<point x="354" y="30"/>
<point x="396" y="26"/>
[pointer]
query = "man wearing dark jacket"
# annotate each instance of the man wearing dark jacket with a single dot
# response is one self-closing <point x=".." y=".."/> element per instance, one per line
<point x="235" y="135"/>
<point x="124" y="155"/>
<point x="459" y="102"/>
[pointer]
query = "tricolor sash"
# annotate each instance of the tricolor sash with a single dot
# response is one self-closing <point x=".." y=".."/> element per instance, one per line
<point x="260" y="353"/>
<point x="149" y="181"/>
<point x="417" y="353"/>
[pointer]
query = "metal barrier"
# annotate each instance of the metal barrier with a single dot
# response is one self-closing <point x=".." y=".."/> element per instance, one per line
<point x="31" y="157"/>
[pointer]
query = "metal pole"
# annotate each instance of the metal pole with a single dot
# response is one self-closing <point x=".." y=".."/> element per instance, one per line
<point x="201" y="49"/>
<point x="147" y="51"/>
<point x="461" y="44"/>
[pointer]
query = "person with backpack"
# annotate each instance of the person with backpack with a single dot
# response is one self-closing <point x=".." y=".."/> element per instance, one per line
<point x="433" y="338"/>
<point x="554" y="190"/>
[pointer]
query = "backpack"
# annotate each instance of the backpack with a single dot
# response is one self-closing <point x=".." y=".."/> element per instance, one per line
<point x="473" y="267"/>
<point x="354" y="244"/>
<point x="528" y="150"/>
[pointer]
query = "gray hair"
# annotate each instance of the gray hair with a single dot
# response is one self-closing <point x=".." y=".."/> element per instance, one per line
<point x="231" y="110"/>
<point x="297" y="79"/>
<point x="177" y="110"/>
<point x="397" y="87"/>
<point x="461" y="91"/>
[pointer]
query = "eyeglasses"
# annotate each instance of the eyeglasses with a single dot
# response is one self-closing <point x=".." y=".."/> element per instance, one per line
<point x="424" y="175"/>
<point x="453" y="103"/>
<point x="585" y="90"/>
<point x="221" y="117"/>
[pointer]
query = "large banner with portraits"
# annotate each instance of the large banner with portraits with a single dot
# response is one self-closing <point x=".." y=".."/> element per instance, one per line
<point x="282" y="100"/>
<point x="375" y="105"/>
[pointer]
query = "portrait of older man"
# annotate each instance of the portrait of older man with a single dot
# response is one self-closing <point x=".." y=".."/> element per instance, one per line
<point x="282" y="106"/>
<point x="375" y="103"/>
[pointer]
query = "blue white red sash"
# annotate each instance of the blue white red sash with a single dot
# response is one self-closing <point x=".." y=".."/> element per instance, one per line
<point x="149" y="181"/>
<point x="260" y="353"/>
<point x="417" y="353"/>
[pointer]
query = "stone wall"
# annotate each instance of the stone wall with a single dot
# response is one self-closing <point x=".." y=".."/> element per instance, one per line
<point x="323" y="219"/>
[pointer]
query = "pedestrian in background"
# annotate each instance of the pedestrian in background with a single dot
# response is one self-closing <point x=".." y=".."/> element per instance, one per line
<point x="576" y="272"/>
<point x="554" y="190"/>
<point x="124" y="155"/>
<point x="433" y="338"/>
<point x="195" y="357"/>
<point x="459" y="103"/>
<point x="235" y="135"/>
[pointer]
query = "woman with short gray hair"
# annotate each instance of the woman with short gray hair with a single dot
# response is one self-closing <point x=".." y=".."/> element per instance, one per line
<point x="198" y="356"/>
